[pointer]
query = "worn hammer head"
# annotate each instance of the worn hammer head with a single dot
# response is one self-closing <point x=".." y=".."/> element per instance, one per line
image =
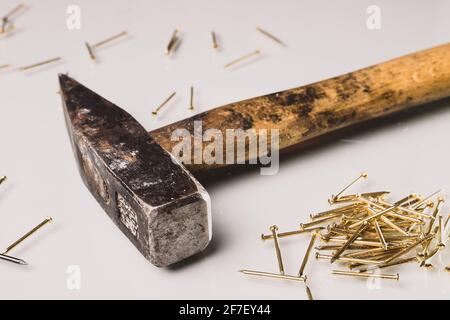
<point x="151" y="197"/>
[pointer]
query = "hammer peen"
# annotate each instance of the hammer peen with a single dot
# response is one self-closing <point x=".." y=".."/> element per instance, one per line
<point x="156" y="201"/>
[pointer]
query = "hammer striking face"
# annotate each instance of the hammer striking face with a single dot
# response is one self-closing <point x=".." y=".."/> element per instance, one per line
<point x="153" y="199"/>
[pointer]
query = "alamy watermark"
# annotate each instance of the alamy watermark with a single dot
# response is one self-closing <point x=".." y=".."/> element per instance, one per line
<point x="233" y="146"/>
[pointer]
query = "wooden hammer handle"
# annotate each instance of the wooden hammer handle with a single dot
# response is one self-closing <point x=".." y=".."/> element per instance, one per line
<point x="312" y="110"/>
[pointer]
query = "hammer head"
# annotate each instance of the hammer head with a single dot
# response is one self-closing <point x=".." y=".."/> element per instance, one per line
<point x="151" y="197"/>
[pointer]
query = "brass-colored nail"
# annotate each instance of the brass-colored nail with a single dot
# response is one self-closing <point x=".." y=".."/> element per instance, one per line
<point x="441" y="244"/>
<point x="428" y="257"/>
<point x="291" y="233"/>
<point x="425" y="200"/>
<point x="333" y="198"/>
<point x="3" y="179"/>
<point x="215" y="45"/>
<point x="172" y="42"/>
<point x="434" y="215"/>
<point x="155" y="112"/>
<point x="274" y="230"/>
<point x="447" y="268"/>
<point x="28" y="234"/>
<point x="251" y="54"/>
<point x="408" y="249"/>
<point x="349" y="241"/>
<point x="366" y="275"/>
<point x="309" y="293"/>
<point x="90" y="51"/>
<point x="12" y="259"/>
<point x="40" y="64"/>
<point x="114" y="37"/>
<point x="380" y="234"/>
<point x="446" y="221"/>
<point x="4" y="66"/>
<point x="346" y="259"/>
<point x="390" y="264"/>
<point x="271" y="36"/>
<point x="393" y="225"/>
<point x="191" y="100"/>
<point x="273" y="275"/>
<point x="343" y="209"/>
<point x="308" y="251"/>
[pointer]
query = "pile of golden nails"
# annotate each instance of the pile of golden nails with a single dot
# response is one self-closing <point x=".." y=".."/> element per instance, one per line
<point x="367" y="233"/>
<point x="4" y="255"/>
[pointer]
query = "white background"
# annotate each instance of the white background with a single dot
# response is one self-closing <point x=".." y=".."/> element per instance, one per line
<point x="324" y="39"/>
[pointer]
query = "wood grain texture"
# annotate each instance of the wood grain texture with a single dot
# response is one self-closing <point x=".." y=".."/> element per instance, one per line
<point x="310" y="111"/>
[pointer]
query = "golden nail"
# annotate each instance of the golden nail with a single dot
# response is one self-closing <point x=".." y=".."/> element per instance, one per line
<point x="273" y="275"/>
<point x="269" y="35"/>
<point x="434" y="215"/>
<point x="393" y="225"/>
<point x="390" y="264"/>
<point x="28" y="234"/>
<point x="99" y="44"/>
<point x="309" y="293"/>
<point x="428" y="257"/>
<point x="308" y="251"/>
<point x="446" y="221"/>
<point x="327" y="213"/>
<point x="254" y="53"/>
<point x="440" y="244"/>
<point x="3" y="179"/>
<point x="173" y="40"/>
<point x="40" y="64"/>
<point x="408" y="249"/>
<point x="90" y="51"/>
<point x="291" y="233"/>
<point x="333" y="198"/>
<point x="349" y="241"/>
<point x="4" y="66"/>
<point x="380" y="234"/>
<point x="346" y="259"/>
<point x="155" y="112"/>
<point x="214" y="41"/>
<point x="447" y="268"/>
<point x="320" y="220"/>
<point x="425" y="199"/>
<point x="366" y="275"/>
<point x="274" y="229"/>
<point x="191" y="100"/>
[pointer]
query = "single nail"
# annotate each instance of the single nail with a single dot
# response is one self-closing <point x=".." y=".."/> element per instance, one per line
<point x="251" y="54"/>
<point x="366" y="275"/>
<point x="173" y="40"/>
<point x="291" y="233"/>
<point x="13" y="259"/>
<point x="114" y="37"/>
<point x="40" y="64"/>
<point x="215" y="45"/>
<point x="333" y="198"/>
<point x="274" y="229"/>
<point x="28" y="234"/>
<point x="155" y="112"/>
<point x="270" y="36"/>
<point x="273" y="275"/>
<point x="308" y="251"/>
<point x="191" y="100"/>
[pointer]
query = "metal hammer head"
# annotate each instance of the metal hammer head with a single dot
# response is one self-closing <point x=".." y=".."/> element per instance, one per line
<point x="151" y="197"/>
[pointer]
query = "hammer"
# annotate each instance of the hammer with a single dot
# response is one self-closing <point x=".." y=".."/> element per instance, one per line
<point x="156" y="201"/>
